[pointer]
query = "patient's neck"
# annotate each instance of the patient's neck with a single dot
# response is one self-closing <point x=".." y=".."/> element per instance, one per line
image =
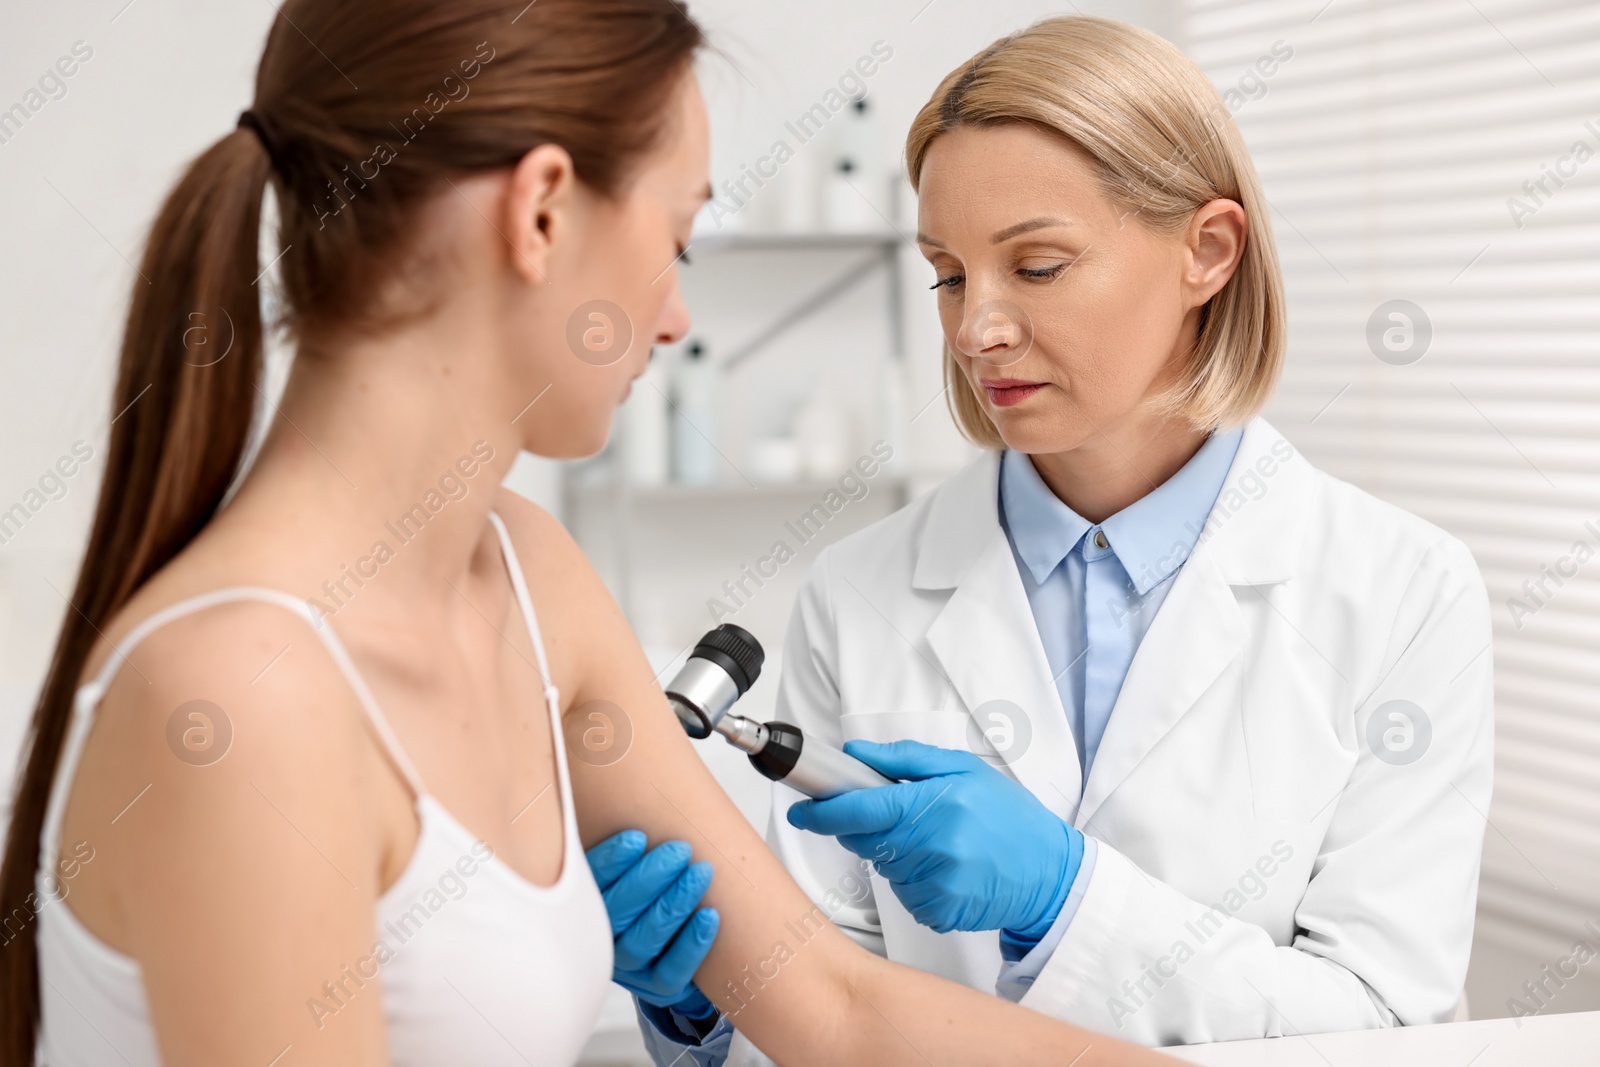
<point x="372" y="445"/>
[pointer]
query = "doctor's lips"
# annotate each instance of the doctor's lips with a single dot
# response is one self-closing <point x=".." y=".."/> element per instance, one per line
<point x="1004" y="392"/>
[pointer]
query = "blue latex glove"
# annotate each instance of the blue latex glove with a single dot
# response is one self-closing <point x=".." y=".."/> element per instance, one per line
<point x="967" y="847"/>
<point x="651" y="898"/>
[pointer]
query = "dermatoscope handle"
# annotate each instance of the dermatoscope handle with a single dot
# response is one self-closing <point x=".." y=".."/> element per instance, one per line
<point x="723" y="666"/>
<point x="815" y="769"/>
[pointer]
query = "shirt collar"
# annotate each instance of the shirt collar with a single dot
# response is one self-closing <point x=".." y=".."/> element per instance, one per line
<point x="1042" y="529"/>
<point x="1151" y="537"/>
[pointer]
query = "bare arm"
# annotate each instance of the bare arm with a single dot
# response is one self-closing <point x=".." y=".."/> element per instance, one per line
<point x="786" y="977"/>
<point x="243" y="885"/>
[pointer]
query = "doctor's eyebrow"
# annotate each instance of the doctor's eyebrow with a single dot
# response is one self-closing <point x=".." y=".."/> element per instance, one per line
<point x="1023" y="227"/>
<point x="1009" y="232"/>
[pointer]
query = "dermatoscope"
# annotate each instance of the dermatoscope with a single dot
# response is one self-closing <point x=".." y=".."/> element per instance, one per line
<point x="723" y="666"/>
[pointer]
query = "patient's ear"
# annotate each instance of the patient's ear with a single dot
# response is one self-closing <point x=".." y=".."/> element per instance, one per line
<point x="539" y="204"/>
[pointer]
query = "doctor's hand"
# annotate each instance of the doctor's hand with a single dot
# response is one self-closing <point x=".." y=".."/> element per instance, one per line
<point x="659" y="937"/>
<point x="963" y="846"/>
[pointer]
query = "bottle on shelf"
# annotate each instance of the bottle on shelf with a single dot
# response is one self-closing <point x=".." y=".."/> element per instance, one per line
<point x="851" y="193"/>
<point x="695" y="459"/>
<point x="822" y="428"/>
<point x="774" y="460"/>
<point x="645" y="433"/>
<point x="795" y="193"/>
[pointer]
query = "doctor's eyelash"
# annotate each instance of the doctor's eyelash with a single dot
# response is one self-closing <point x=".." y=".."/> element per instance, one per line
<point x="1041" y="273"/>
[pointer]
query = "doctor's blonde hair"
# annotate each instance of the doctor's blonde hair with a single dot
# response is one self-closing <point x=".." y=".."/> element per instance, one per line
<point x="1164" y="145"/>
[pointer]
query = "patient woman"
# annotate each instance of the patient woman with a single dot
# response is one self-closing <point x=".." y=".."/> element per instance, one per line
<point x="297" y="790"/>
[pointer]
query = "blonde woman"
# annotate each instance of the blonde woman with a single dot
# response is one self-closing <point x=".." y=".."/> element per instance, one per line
<point x="1195" y="739"/>
<point x="262" y="823"/>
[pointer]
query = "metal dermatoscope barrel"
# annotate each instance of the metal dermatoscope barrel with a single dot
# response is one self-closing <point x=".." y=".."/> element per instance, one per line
<point x="723" y="666"/>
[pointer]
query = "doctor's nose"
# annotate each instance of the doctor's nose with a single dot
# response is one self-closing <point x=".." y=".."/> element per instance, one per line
<point x="998" y="332"/>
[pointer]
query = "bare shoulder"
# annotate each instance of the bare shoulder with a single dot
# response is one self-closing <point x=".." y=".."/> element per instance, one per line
<point x="544" y="546"/>
<point x="245" y="656"/>
<point x="224" y="724"/>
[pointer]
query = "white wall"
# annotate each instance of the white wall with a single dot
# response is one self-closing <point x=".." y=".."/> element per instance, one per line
<point x="81" y="182"/>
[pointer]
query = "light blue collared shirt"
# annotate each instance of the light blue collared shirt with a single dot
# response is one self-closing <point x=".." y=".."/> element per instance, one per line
<point x="1094" y="590"/>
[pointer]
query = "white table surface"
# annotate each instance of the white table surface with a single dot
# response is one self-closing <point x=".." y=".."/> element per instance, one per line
<point x="1565" y="1040"/>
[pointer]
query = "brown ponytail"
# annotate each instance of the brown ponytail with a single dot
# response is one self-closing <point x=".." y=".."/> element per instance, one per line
<point x="443" y="89"/>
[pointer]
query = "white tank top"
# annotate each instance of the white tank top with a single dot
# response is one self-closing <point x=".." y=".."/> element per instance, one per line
<point x="483" y="966"/>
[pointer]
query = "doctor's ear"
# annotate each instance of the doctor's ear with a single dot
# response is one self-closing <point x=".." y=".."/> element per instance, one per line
<point x="541" y="200"/>
<point x="1213" y="246"/>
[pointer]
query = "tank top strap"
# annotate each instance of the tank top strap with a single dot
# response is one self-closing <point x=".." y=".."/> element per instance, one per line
<point x="87" y="698"/>
<point x="552" y="695"/>
<point x="573" y="846"/>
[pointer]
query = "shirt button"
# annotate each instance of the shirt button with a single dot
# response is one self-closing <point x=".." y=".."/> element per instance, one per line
<point x="1100" y="539"/>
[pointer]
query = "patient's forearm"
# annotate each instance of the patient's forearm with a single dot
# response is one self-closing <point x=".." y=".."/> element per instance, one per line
<point x="827" y="1001"/>
<point x="899" y="1014"/>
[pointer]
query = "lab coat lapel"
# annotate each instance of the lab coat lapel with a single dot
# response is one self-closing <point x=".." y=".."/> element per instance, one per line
<point x="986" y="643"/>
<point x="1252" y="537"/>
<point x="1196" y="633"/>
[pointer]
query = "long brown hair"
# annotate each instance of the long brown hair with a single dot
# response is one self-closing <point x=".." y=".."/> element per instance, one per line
<point x="362" y="108"/>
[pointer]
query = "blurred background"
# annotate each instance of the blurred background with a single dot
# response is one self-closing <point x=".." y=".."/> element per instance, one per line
<point x="1431" y="166"/>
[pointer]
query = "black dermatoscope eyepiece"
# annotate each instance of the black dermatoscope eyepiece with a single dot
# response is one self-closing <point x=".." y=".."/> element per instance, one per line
<point x="724" y="665"/>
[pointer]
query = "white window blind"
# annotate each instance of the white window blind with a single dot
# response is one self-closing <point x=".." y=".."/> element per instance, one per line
<point x="1446" y="153"/>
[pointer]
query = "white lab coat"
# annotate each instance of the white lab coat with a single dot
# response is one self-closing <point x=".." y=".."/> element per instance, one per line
<point x="1262" y="871"/>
